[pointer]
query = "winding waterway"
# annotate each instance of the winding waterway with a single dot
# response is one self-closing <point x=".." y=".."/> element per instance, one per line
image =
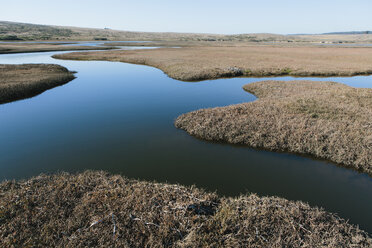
<point x="119" y="117"/>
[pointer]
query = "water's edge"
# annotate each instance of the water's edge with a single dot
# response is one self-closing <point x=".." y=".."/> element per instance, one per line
<point x="119" y="117"/>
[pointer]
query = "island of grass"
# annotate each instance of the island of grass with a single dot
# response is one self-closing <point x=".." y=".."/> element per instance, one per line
<point x="28" y="80"/>
<point x="211" y="62"/>
<point x="327" y="120"/>
<point x="95" y="209"/>
<point x="14" y="47"/>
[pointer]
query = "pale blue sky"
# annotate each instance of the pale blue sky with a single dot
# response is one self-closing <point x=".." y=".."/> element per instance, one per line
<point x="203" y="16"/>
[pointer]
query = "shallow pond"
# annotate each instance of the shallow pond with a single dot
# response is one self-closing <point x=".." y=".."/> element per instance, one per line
<point x="119" y="117"/>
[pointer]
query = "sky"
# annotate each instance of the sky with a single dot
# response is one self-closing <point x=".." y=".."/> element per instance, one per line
<point x="196" y="16"/>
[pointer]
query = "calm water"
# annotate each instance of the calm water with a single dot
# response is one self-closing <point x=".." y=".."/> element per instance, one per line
<point x="119" y="117"/>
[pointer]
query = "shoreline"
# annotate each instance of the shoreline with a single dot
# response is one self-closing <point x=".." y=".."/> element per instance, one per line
<point x="28" y="80"/>
<point x="207" y="63"/>
<point x="296" y="117"/>
<point x="53" y="50"/>
<point x="360" y="163"/>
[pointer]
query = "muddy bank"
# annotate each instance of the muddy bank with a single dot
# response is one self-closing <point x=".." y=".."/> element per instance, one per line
<point x="28" y="80"/>
<point x="326" y="120"/>
<point x="200" y="63"/>
<point x="98" y="209"/>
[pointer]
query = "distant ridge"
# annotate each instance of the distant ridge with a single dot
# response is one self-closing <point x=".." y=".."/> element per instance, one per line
<point x="15" y="31"/>
<point x="351" y="32"/>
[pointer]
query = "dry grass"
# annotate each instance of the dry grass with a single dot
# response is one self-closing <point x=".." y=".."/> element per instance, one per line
<point x="95" y="209"/>
<point x="180" y="43"/>
<point x="27" y="80"/>
<point x="199" y="63"/>
<point x="333" y="38"/>
<point x="324" y="119"/>
<point x="6" y="48"/>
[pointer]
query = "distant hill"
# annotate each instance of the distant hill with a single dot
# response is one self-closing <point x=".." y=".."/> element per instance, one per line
<point x="24" y="31"/>
<point x="350" y="32"/>
<point x="14" y="31"/>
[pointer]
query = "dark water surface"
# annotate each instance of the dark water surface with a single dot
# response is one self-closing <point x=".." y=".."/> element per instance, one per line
<point x="119" y="117"/>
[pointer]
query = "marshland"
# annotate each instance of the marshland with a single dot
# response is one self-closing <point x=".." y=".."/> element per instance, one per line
<point x="201" y="63"/>
<point x="98" y="209"/>
<point x="280" y="157"/>
<point x="27" y="80"/>
<point x="27" y="47"/>
<point x="325" y="119"/>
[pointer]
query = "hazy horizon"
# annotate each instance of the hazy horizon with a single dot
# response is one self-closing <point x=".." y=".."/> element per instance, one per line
<point x="215" y="17"/>
<point x="345" y="31"/>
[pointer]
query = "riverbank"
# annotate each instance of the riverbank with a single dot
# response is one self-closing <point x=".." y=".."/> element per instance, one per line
<point x="326" y="120"/>
<point x="28" y="80"/>
<point x="14" y="47"/>
<point x="201" y="63"/>
<point x="95" y="208"/>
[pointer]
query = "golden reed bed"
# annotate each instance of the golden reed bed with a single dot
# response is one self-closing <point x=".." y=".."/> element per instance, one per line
<point x="95" y="209"/>
<point x="27" y="80"/>
<point x="324" y="119"/>
<point x="200" y="63"/>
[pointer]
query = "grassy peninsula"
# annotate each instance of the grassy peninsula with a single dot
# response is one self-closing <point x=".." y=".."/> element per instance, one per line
<point x="200" y="63"/>
<point x="327" y="120"/>
<point x="28" y="80"/>
<point x="6" y="48"/>
<point x="98" y="209"/>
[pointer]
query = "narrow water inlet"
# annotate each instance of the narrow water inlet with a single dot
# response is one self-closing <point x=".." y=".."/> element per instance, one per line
<point x="119" y="117"/>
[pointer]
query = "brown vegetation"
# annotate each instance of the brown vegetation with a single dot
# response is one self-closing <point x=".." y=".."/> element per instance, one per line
<point x="95" y="209"/>
<point x="199" y="63"/>
<point x="180" y="43"/>
<point x="324" y="119"/>
<point x="27" y="80"/>
<point x="43" y="47"/>
<point x="339" y="38"/>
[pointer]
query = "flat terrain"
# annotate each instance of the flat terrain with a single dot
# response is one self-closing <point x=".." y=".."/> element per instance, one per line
<point x="95" y="209"/>
<point x="200" y="63"/>
<point x="327" y="120"/>
<point x="27" y="80"/>
<point x="15" y="47"/>
<point x="181" y="43"/>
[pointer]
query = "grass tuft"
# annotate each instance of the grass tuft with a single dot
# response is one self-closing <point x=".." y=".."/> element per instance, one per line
<point x="96" y="209"/>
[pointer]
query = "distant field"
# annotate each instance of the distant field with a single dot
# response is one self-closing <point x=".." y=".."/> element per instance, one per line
<point x="339" y="38"/>
<point x="200" y="62"/>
